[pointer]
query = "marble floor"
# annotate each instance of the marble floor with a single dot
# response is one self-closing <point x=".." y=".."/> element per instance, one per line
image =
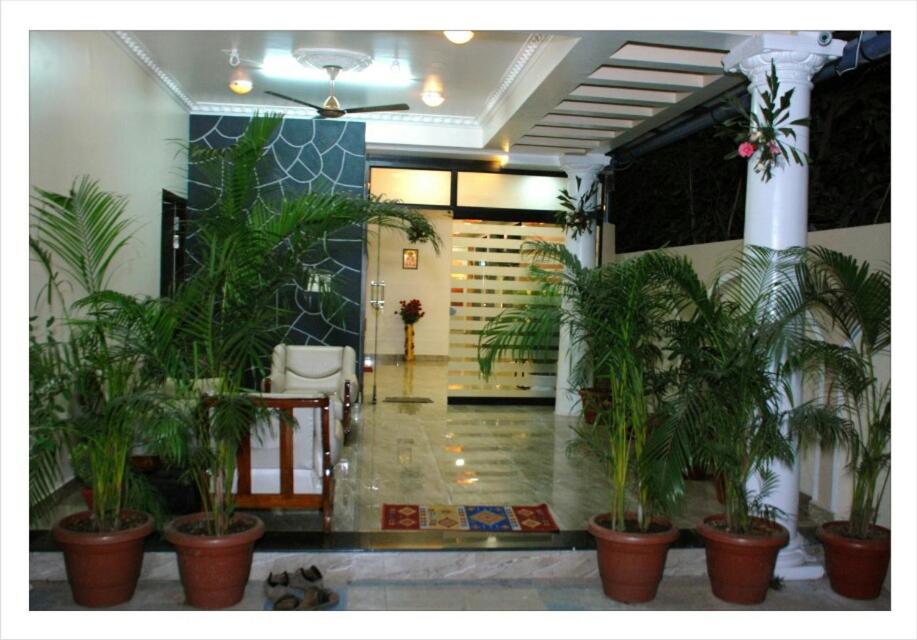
<point x="473" y="454"/>
<point x="459" y="454"/>
<point x="435" y="453"/>
<point x="676" y="593"/>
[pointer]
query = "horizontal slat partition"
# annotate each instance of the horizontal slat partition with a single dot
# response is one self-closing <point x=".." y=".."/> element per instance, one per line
<point x="490" y="275"/>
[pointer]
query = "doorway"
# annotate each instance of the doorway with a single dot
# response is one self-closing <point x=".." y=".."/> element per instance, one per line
<point x="172" y="246"/>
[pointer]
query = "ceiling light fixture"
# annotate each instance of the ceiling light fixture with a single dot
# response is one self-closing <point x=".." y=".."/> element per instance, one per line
<point x="240" y="82"/>
<point x="459" y="37"/>
<point x="432" y="98"/>
<point x="300" y="66"/>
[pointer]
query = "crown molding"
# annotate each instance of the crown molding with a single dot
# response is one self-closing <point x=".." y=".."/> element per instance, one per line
<point x="226" y="108"/>
<point x="135" y="47"/>
<point x="526" y="53"/>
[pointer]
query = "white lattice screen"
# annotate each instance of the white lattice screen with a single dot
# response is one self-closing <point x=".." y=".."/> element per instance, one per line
<point x="489" y="274"/>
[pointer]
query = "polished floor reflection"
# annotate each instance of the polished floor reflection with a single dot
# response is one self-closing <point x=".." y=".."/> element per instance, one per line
<point x="462" y="454"/>
<point x="434" y="453"/>
<point x="459" y="454"/>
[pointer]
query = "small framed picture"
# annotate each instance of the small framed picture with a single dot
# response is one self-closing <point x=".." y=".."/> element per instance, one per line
<point x="409" y="259"/>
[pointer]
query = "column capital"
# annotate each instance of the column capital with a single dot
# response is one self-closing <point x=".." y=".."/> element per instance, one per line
<point x="796" y="57"/>
<point x="585" y="166"/>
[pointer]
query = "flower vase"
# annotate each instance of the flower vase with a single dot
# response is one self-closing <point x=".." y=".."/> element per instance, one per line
<point x="409" y="343"/>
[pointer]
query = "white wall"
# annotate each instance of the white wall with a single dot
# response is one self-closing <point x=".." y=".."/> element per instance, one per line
<point x="429" y="283"/>
<point x="93" y="110"/>
<point x="823" y="475"/>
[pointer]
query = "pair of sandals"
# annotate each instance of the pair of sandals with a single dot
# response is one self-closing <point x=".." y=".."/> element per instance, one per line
<point x="301" y="590"/>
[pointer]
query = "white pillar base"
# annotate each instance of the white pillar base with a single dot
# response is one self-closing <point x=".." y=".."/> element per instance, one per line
<point x="793" y="563"/>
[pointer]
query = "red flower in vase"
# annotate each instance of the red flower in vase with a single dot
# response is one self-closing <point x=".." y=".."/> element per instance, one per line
<point x="411" y="311"/>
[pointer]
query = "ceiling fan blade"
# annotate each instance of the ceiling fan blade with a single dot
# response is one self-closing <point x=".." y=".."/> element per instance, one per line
<point x="384" y="107"/>
<point x="280" y="95"/>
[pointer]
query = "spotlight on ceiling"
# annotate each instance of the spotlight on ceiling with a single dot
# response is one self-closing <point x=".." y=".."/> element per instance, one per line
<point x="240" y="82"/>
<point x="432" y="98"/>
<point x="459" y="37"/>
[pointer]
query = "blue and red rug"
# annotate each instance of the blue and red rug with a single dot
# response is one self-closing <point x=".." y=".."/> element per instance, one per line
<point x="451" y="517"/>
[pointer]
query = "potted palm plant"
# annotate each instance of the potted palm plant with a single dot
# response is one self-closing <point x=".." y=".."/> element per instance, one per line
<point x="730" y="349"/>
<point x="225" y="321"/>
<point x="618" y="314"/>
<point x="853" y="306"/>
<point x="91" y="395"/>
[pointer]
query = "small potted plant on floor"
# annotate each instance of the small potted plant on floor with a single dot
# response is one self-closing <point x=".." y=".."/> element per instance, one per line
<point x="618" y="313"/>
<point x="91" y="395"/>
<point x="224" y="321"/>
<point x="853" y="305"/>
<point x="730" y="352"/>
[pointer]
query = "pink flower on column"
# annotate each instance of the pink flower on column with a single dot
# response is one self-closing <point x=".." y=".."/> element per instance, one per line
<point x="746" y="149"/>
<point x="775" y="148"/>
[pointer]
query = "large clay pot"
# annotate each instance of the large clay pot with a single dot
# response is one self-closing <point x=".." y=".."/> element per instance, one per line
<point x="631" y="564"/>
<point x="856" y="568"/>
<point x="214" y="569"/>
<point x="740" y="567"/>
<point x="102" y="568"/>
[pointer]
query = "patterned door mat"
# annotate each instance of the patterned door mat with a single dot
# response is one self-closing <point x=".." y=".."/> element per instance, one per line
<point x="451" y="517"/>
<point x="411" y="399"/>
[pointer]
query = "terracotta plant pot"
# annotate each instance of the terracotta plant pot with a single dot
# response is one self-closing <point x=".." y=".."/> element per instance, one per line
<point x="740" y="567"/>
<point x="102" y="568"/>
<point x="631" y="564"/>
<point x="856" y="568"/>
<point x="214" y="569"/>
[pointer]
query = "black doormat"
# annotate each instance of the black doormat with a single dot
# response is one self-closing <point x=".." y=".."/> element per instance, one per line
<point x="411" y="399"/>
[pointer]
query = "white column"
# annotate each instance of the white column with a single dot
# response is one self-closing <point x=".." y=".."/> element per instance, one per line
<point x="586" y="168"/>
<point x="776" y="216"/>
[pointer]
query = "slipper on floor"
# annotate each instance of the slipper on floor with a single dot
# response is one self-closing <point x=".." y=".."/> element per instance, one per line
<point x="305" y="578"/>
<point x="277" y="586"/>
<point x="313" y="599"/>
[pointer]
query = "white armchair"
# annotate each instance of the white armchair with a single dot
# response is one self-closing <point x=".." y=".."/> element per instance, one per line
<point x="331" y="370"/>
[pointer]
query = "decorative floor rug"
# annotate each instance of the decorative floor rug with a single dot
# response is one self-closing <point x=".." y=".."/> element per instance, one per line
<point x="451" y="517"/>
<point x="412" y="399"/>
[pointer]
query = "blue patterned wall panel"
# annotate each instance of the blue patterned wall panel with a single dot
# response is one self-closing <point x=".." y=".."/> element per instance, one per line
<point x="302" y="156"/>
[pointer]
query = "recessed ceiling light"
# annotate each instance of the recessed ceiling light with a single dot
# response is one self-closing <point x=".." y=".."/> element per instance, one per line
<point x="432" y="98"/>
<point x="240" y="82"/>
<point x="459" y="37"/>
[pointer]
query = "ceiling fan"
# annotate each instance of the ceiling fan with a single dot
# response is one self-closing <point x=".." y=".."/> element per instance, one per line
<point x="331" y="108"/>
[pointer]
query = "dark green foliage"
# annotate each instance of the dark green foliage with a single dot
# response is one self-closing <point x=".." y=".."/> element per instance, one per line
<point x="90" y="392"/>
<point x="852" y="304"/>
<point x="727" y="348"/>
<point x="615" y="316"/>
<point x="172" y="374"/>
<point x="579" y="212"/>
<point x="224" y="320"/>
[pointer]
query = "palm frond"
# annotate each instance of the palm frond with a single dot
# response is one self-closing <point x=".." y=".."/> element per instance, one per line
<point x="86" y="230"/>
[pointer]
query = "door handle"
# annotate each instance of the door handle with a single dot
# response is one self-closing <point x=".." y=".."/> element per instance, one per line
<point x="378" y="294"/>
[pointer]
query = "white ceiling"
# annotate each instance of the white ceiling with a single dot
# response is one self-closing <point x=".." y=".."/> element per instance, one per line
<point x="195" y="59"/>
<point x="537" y="95"/>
